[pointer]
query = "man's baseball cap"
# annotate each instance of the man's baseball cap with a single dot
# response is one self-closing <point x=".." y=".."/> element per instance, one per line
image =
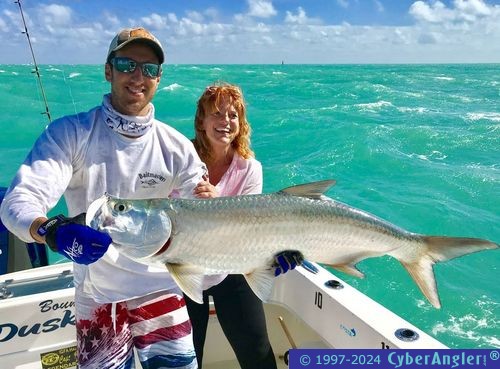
<point x="128" y="35"/>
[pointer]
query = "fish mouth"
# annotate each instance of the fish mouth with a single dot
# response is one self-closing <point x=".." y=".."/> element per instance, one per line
<point x="94" y="212"/>
<point x="98" y="218"/>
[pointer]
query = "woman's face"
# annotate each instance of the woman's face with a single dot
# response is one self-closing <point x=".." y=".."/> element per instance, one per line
<point x="222" y="125"/>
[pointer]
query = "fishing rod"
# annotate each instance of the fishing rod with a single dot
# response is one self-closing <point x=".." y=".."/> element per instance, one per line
<point x="37" y="71"/>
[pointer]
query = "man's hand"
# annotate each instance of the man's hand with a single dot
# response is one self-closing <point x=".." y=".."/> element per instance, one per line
<point x="287" y="260"/>
<point x="75" y="240"/>
<point x="204" y="189"/>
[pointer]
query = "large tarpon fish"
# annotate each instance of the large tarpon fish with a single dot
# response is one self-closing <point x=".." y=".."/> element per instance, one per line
<point x="241" y="235"/>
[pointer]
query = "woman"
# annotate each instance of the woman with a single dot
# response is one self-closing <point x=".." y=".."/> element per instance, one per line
<point x="222" y="140"/>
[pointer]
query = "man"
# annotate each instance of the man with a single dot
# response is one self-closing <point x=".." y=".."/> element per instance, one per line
<point x="117" y="148"/>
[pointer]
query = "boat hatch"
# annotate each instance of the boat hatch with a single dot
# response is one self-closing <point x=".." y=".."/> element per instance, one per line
<point x="24" y="287"/>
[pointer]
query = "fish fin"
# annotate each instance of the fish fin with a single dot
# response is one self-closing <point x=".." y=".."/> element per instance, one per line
<point x="189" y="278"/>
<point x="349" y="269"/>
<point x="261" y="282"/>
<point x="423" y="275"/>
<point x="445" y="248"/>
<point x="441" y="249"/>
<point x="313" y="190"/>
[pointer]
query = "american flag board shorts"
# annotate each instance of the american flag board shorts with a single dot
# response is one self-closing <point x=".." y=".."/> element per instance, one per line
<point x="156" y="325"/>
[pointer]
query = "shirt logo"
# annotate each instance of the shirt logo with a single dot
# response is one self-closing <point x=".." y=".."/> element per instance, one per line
<point x="150" y="180"/>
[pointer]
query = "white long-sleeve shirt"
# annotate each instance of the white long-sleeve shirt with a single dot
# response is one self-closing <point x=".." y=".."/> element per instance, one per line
<point x="81" y="158"/>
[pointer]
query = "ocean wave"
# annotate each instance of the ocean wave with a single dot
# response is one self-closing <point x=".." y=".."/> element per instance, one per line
<point x="472" y="327"/>
<point x="172" y="87"/>
<point x="333" y="107"/>
<point x="461" y="327"/>
<point x="419" y="109"/>
<point x="374" y="105"/>
<point x="13" y="72"/>
<point x="462" y="98"/>
<point x="495" y="117"/>
<point x="74" y="74"/>
<point x="434" y="155"/>
<point x="412" y="94"/>
<point x="381" y="88"/>
<point x="444" y="78"/>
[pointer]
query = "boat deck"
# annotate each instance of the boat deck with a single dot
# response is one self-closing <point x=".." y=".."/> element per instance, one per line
<point x="219" y="355"/>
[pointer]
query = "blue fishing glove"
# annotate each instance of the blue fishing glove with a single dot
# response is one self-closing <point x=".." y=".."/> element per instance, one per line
<point x="287" y="260"/>
<point x="75" y="240"/>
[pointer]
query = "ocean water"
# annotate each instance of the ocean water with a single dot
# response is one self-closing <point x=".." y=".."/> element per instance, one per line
<point x="418" y="145"/>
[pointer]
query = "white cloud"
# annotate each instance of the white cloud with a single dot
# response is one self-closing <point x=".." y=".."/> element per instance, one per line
<point x="212" y="13"/>
<point x="172" y="18"/>
<point x="261" y="8"/>
<point x="154" y="22"/>
<point x="267" y="40"/>
<point x="189" y="27"/>
<point x="463" y="31"/>
<point x="433" y="13"/>
<point x="238" y="18"/>
<point x="467" y="26"/>
<point x="3" y="25"/>
<point x="427" y="38"/>
<point x="477" y="7"/>
<point x="113" y="20"/>
<point x="55" y="15"/>
<point x="462" y="11"/>
<point x="195" y="16"/>
<point x="262" y="28"/>
<point x="400" y="37"/>
<point x="15" y="18"/>
<point x="300" y="17"/>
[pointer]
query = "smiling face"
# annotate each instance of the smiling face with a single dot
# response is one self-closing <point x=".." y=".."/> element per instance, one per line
<point x="132" y="92"/>
<point x="222" y="125"/>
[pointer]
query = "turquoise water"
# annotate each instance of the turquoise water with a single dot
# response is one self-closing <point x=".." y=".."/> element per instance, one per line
<point x="417" y="145"/>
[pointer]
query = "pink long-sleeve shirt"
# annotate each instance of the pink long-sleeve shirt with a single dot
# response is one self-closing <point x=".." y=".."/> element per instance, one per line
<point x="243" y="177"/>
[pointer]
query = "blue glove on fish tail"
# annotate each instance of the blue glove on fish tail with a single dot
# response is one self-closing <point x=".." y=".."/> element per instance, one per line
<point x="73" y="239"/>
<point x="287" y="260"/>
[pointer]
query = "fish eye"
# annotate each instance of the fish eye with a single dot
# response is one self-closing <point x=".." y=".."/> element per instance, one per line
<point x="120" y="207"/>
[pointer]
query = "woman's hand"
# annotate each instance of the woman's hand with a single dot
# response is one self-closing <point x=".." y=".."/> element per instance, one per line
<point x="205" y="190"/>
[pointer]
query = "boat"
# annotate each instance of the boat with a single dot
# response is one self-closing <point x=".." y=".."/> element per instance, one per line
<point x="309" y="308"/>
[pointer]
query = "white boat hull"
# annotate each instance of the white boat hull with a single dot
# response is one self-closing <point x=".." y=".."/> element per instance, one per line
<point x="37" y="321"/>
<point x="36" y="326"/>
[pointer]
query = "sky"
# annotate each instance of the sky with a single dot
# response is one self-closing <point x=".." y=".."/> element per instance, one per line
<point x="258" y="31"/>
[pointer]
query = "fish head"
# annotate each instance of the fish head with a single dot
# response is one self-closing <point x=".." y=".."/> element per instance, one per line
<point x="138" y="228"/>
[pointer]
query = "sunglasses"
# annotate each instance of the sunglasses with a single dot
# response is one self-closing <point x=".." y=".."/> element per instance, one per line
<point x="127" y="65"/>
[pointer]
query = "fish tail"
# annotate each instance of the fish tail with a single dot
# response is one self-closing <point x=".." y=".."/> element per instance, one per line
<point x="440" y="249"/>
